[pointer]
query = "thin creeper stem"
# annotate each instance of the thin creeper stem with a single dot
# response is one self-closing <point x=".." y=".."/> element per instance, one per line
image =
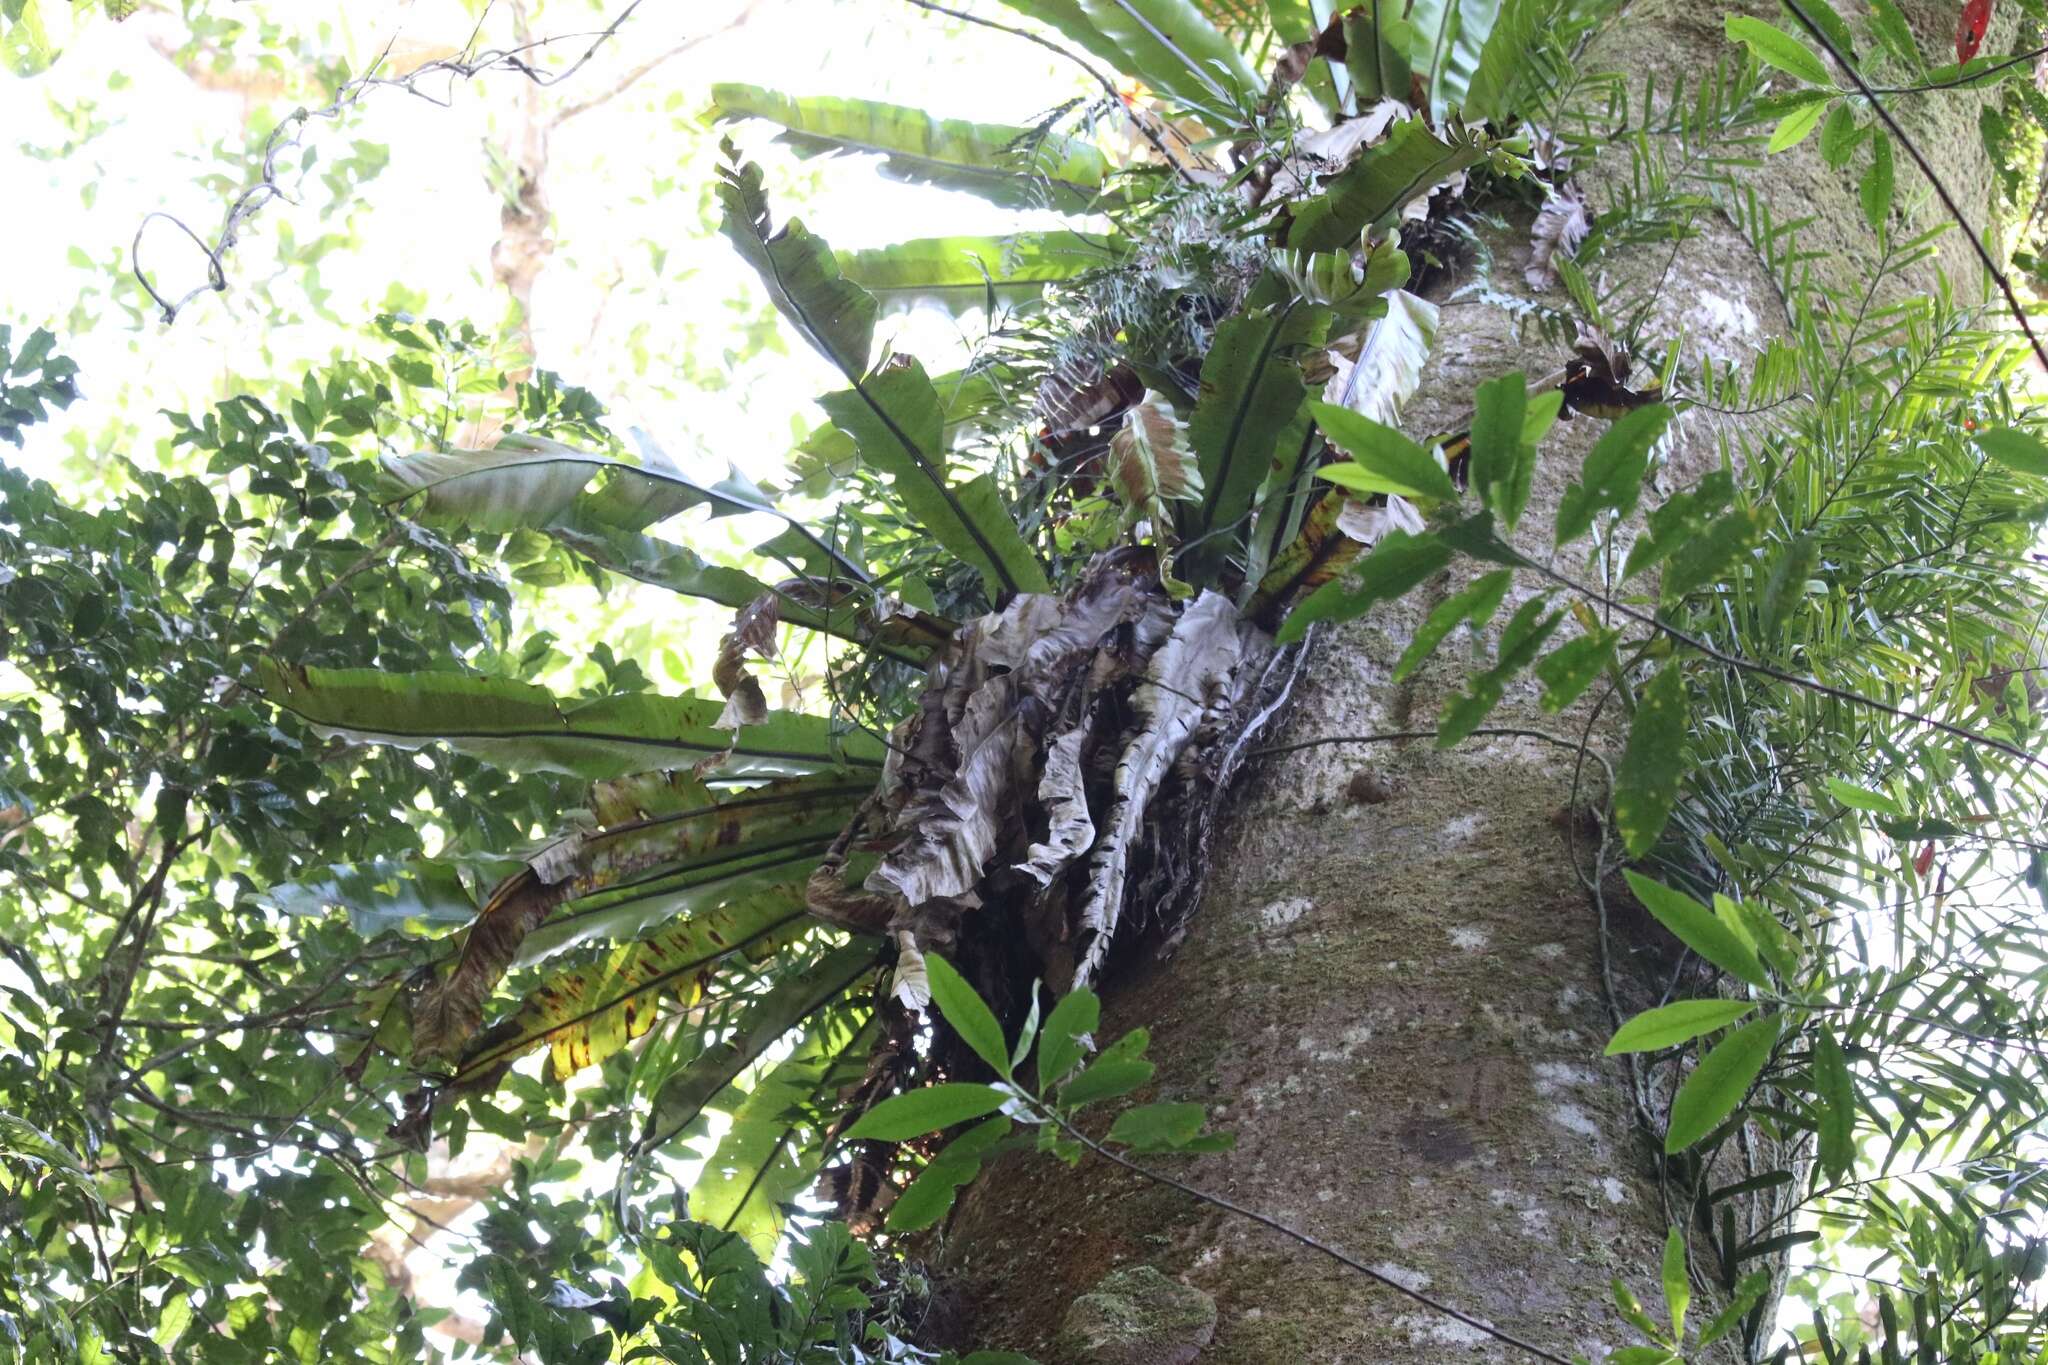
<point x="1334" y="1253"/>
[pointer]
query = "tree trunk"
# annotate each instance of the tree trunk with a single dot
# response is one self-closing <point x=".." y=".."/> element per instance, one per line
<point x="1393" y="994"/>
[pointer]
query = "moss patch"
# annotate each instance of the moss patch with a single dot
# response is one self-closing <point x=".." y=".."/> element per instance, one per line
<point x="1137" y="1316"/>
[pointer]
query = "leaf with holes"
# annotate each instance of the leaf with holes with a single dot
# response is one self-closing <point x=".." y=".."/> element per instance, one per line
<point x="1834" y="1105"/>
<point x="1612" y="477"/>
<point x="1476" y="604"/>
<point x="1647" y="781"/>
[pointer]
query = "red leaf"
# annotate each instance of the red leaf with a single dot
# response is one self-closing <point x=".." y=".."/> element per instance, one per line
<point x="1925" y="860"/>
<point x="1971" y="28"/>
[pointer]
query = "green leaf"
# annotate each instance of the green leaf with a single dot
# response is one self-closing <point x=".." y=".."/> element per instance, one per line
<point x="898" y="426"/>
<point x="1396" y="564"/>
<point x="836" y="316"/>
<point x="1520" y="640"/>
<point x="1863" y="798"/>
<point x="522" y="728"/>
<point x="1119" y="1070"/>
<point x="1697" y="928"/>
<point x="1719" y="1084"/>
<point x="1752" y="1288"/>
<point x="1839" y="136"/>
<point x="664" y="564"/>
<point x="1061" y="1041"/>
<point x="172" y="1319"/>
<point x="1678" y="521"/>
<point x="1896" y="35"/>
<point x="25" y="45"/>
<point x="1377" y="41"/>
<point x="765" y="1021"/>
<point x="1785" y="589"/>
<point x="1477" y="604"/>
<point x="1505" y="60"/>
<point x="1703" y="558"/>
<point x="1447" y="41"/>
<point x="1374" y="189"/>
<point x="1625" y="1300"/>
<point x="1612" y="476"/>
<point x="1251" y="390"/>
<point x="1775" y="47"/>
<point x="1016" y="167"/>
<point x="1834" y="1105"/>
<point x="1677" y="1286"/>
<point x="927" y="1110"/>
<point x="2015" y="449"/>
<point x="1679" y="1022"/>
<point x="767" y="883"/>
<point x="1875" y="191"/>
<point x="587" y="1012"/>
<point x="968" y="1013"/>
<point x="1794" y="127"/>
<point x="770" y="1154"/>
<point x="732" y="870"/>
<point x="964" y="272"/>
<point x="534" y="483"/>
<point x="380" y="894"/>
<point x="1164" y="1127"/>
<point x="1647" y="782"/>
<point x="1495" y="472"/>
<point x="1168" y="44"/>
<point x="1385" y="461"/>
<point x="21" y="1139"/>
<point x="1026" y="1035"/>
<point x="1824" y="17"/>
<point x="927" y="1198"/>
<point x="1567" y="671"/>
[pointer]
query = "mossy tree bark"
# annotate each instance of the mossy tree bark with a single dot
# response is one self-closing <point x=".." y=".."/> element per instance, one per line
<point x="1394" y="993"/>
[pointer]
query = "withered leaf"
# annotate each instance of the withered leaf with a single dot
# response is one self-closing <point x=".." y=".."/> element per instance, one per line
<point x="753" y="632"/>
<point x="1596" y="378"/>
<point x="1187" y="673"/>
<point x="1317" y="554"/>
<point x="1150" y="462"/>
<point x="1560" y="226"/>
<point x="1075" y="399"/>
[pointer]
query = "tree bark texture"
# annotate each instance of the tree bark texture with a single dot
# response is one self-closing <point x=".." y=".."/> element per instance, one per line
<point x="1393" y="993"/>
